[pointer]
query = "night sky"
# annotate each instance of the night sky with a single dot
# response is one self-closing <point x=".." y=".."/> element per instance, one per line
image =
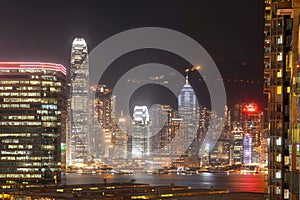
<point x="231" y="32"/>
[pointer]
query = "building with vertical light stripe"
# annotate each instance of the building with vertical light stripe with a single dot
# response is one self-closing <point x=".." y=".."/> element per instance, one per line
<point x="32" y="124"/>
<point x="141" y="144"/>
<point x="78" y="136"/>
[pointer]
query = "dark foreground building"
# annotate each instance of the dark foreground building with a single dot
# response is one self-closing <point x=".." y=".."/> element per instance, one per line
<point x="282" y="84"/>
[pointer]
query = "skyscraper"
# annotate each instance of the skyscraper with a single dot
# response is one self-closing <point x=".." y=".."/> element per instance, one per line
<point x="121" y="144"/>
<point x="238" y="150"/>
<point x="102" y="137"/>
<point x="278" y="61"/>
<point x="189" y="113"/>
<point x="161" y="129"/>
<point x="79" y="138"/>
<point x="140" y="132"/>
<point x="251" y="120"/>
<point x="187" y="102"/>
<point x="32" y="125"/>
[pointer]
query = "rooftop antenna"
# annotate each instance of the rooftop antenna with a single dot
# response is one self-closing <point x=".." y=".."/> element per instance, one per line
<point x="187" y="76"/>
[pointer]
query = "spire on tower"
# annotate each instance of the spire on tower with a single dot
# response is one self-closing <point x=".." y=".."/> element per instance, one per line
<point x="187" y="76"/>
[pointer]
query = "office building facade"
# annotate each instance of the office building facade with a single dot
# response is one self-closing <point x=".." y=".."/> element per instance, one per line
<point x="78" y="136"/>
<point x="238" y="150"/>
<point x="141" y="143"/>
<point x="101" y="135"/>
<point x="189" y="113"/>
<point x="32" y="125"/>
<point x="250" y="117"/>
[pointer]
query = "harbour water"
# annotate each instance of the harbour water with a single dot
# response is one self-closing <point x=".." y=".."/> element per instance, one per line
<point x="234" y="182"/>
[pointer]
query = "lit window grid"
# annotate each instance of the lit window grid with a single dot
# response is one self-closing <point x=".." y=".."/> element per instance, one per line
<point x="25" y="158"/>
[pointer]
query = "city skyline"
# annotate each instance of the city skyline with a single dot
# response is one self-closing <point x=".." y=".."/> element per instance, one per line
<point x="236" y="53"/>
<point x="148" y="88"/>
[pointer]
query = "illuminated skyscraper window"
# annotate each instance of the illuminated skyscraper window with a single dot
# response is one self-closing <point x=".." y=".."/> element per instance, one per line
<point x="140" y="132"/>
<point x="247" y="149"/>
<point x="32" y="125"/>
<point x="189" y="112"/>
<point x="79" y="137"/>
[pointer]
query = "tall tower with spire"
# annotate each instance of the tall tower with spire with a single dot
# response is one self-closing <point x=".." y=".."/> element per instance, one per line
<point x="78" y="139"/>
<point x="187" y="101"/>
<point x="189" y="112"/>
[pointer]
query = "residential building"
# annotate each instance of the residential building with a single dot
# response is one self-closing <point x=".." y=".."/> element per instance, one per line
<point x="281" y="61"/>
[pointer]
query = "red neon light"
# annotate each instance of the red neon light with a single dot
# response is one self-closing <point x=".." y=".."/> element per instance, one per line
<point x="250" y="108"/>
<point x="33" y="65"/>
